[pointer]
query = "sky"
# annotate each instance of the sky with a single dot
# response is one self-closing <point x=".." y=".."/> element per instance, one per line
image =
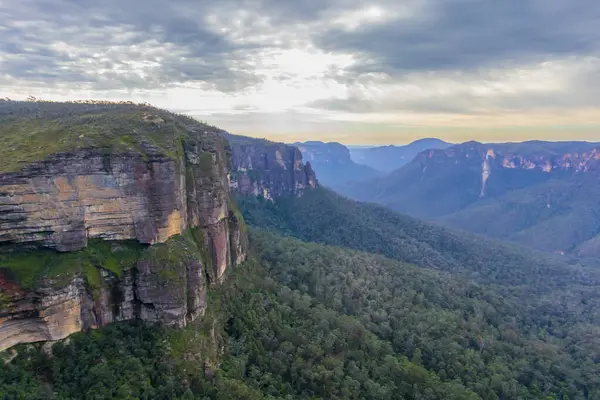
<point x="357" y="72"/>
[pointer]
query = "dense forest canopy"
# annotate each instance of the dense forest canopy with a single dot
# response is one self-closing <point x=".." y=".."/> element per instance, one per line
<point x="305" y="321"/>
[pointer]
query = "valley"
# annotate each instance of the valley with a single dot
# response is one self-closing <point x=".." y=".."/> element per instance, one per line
<point x="299" y="200"/>
<point x="541" y="194"/>
<point x="200" y="264"/>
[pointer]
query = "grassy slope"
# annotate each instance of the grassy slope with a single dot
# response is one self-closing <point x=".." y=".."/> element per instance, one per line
<point x="29" y="267"/>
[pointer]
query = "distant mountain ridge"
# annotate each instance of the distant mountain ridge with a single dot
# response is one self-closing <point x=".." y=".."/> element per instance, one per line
<point x="332" y="163"/>
<point x="390" y="158"/>
<point x="538" y="193"/>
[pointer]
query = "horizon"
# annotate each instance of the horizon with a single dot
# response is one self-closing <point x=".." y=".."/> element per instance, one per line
<point x="451" y="143"/>
<point x="353" y="71"/>
<point x="276" y="138"/>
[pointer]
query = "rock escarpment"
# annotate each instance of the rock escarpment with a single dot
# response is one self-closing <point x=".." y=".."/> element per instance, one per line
<point x="69" y="198"/>
<point x="137" y="174"/>
<point x="263" y="168"/>
<point x="44" y="315"/>
<point x="540" y="194"/>
<point x="333" y="164"/>
<point x="167" y="283"/>
<point x="540" y="160"/>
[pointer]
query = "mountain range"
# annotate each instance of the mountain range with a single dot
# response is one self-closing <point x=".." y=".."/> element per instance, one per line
<point x="333" y="163"/>
<point x="536" y="193"/>
<point x="389" y="158"/>
<point x="144" y="254"/>
<point x="337" y="165"/>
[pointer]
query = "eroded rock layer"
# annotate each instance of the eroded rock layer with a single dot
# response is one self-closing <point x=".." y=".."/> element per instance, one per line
<point x="45" y="315"/>
<point x="64" y="201"/>
<point x="263" y="168"/>
<point x="138" y="175"/>
<point x="70" y="198"/>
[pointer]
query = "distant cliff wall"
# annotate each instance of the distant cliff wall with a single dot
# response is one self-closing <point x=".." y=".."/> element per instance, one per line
<point x="263" y="168"/>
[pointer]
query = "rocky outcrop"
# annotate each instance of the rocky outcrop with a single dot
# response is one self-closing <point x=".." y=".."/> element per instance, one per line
<point x="64" y="201"/>
<point x="172" y="292"/>
<point x="168" y="284"/>
<point x="44" y="315"/>
<point x="169" y="193"/>
<point x="539" y="160"/>
<point x="268" y="169"/>
<point x="529" y="156"/>
<point x="177" y="203"/>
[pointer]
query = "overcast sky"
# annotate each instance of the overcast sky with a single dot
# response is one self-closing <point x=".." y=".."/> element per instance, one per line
<point x="385" y="71"/>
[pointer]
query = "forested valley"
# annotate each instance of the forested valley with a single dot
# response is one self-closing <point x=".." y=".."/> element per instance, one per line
<point x="304" y="320"/>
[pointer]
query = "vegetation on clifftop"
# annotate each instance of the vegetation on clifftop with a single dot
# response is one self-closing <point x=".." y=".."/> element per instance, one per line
<point x="32" y="131"/>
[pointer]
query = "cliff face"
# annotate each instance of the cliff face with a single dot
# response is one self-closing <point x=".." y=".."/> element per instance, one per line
<point x="540" y="194"/>
<point x="167" y="284"/>
<point x="117" y="212"/>
<point x="175" y="204"/>
<point x="271" y="170"/>
<point x="333" y="165"/>
<point x="45" y="315"/>
<point x="330" y="153"/>
<point x="70" y="198"/>
<point x="531" y="160"/>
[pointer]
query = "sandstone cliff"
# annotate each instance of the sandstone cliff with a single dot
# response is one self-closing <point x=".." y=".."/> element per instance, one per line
<point x="263" y="168"/>
<point x="72" y="175"/>
<point x="543" y="159"/>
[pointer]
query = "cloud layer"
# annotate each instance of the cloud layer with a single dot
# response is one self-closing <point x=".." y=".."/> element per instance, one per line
<point x="317" y="67"/>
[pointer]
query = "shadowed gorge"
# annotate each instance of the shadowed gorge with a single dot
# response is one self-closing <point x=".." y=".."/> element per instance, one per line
<point x="333" y="164"/>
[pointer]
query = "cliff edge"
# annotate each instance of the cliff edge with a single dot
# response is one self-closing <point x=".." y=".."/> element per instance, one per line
<point x="109" y="212"/>
<point x="112" y="212"/>
<point x="263" y="168"/>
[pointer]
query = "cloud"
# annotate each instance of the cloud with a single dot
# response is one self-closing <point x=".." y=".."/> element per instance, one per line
<point x="110" y="44"/>
<point x="470" y="34"/>
<point x="565" y="84"/>
<point x="379" y="63"/>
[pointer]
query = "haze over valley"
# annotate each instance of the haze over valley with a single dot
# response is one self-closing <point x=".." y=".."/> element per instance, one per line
<point x="276" y="200"/>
